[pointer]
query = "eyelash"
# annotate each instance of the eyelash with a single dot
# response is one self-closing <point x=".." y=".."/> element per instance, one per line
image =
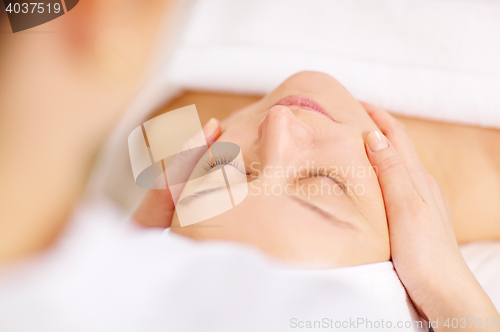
<point x="321" y="173"/>
<point x="222" y="160"/>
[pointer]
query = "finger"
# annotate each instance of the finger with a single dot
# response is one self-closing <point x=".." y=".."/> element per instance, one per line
<point x="157" y="208"/>
<point x="395" y="131"/>
<point x="441" y="200"/>
<point x="212" y="130"/>
<point x="397" y="187"/>
<point x="397" y="134"/>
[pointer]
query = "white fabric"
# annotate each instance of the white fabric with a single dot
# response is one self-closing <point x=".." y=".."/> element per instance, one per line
<point x="483" y="258"/>
<point x="435" y="59"/>
<point x="105" y="275"/>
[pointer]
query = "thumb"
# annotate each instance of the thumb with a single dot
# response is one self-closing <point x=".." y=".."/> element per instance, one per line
<point x="392" y="174"/>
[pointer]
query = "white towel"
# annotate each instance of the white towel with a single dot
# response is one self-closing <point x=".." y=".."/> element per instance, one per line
<point x="435" y="59"/>
<point x="104" y="275"/>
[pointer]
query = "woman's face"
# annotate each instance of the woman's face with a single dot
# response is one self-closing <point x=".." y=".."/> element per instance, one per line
<point x="313" y="197"/>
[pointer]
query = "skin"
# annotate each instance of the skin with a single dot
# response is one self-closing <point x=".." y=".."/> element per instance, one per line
<point x="423" y="244"/>
<point x="275" y="138"/>
<point x="450" y="169"/>
<point x="465" y="160"/>
<point x="76" y="63"/>
<point x="61" y="81"/>
<point x="424" y="249"/>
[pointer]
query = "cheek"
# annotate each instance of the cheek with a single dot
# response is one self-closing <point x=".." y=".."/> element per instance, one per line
<point x="362" y="120"/>
<point x="368" y="191"/>
<point x="242" y="135"/>
<point x="376" y="195"/>
<point x="372" y="198"/>
<point x="376" y="212"/>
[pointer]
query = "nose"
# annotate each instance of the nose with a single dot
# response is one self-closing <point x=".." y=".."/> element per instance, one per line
<point x="283" y="138"/>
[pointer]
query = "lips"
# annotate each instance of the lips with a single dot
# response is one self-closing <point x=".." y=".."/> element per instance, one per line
<point x="304" y="103"/>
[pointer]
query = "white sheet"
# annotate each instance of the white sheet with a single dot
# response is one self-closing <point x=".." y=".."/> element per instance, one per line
<point x="108" y="276"/>
<point x="435" y="59"/>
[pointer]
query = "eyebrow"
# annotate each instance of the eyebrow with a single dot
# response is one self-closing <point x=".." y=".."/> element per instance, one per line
<point x="197" y="194"/>
<point x="322" y="212"/>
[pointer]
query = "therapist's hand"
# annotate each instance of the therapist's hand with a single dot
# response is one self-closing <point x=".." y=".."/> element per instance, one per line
<point x="424" y="249"/>
<point x="157" y="209"/>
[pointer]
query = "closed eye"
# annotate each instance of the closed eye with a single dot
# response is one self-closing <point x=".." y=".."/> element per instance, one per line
<point x="323" y="173"/>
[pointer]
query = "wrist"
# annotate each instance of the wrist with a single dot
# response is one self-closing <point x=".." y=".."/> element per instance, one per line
<point x="459" y="297"/>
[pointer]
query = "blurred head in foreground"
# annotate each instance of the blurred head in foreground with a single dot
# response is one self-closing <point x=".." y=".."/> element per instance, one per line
<point x="313" y="197"/>
<point x="64" y="86"/>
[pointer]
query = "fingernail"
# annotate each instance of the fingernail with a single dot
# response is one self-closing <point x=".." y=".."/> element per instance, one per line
<point x="210" y="128"/>
<point x="377" y="141"/>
